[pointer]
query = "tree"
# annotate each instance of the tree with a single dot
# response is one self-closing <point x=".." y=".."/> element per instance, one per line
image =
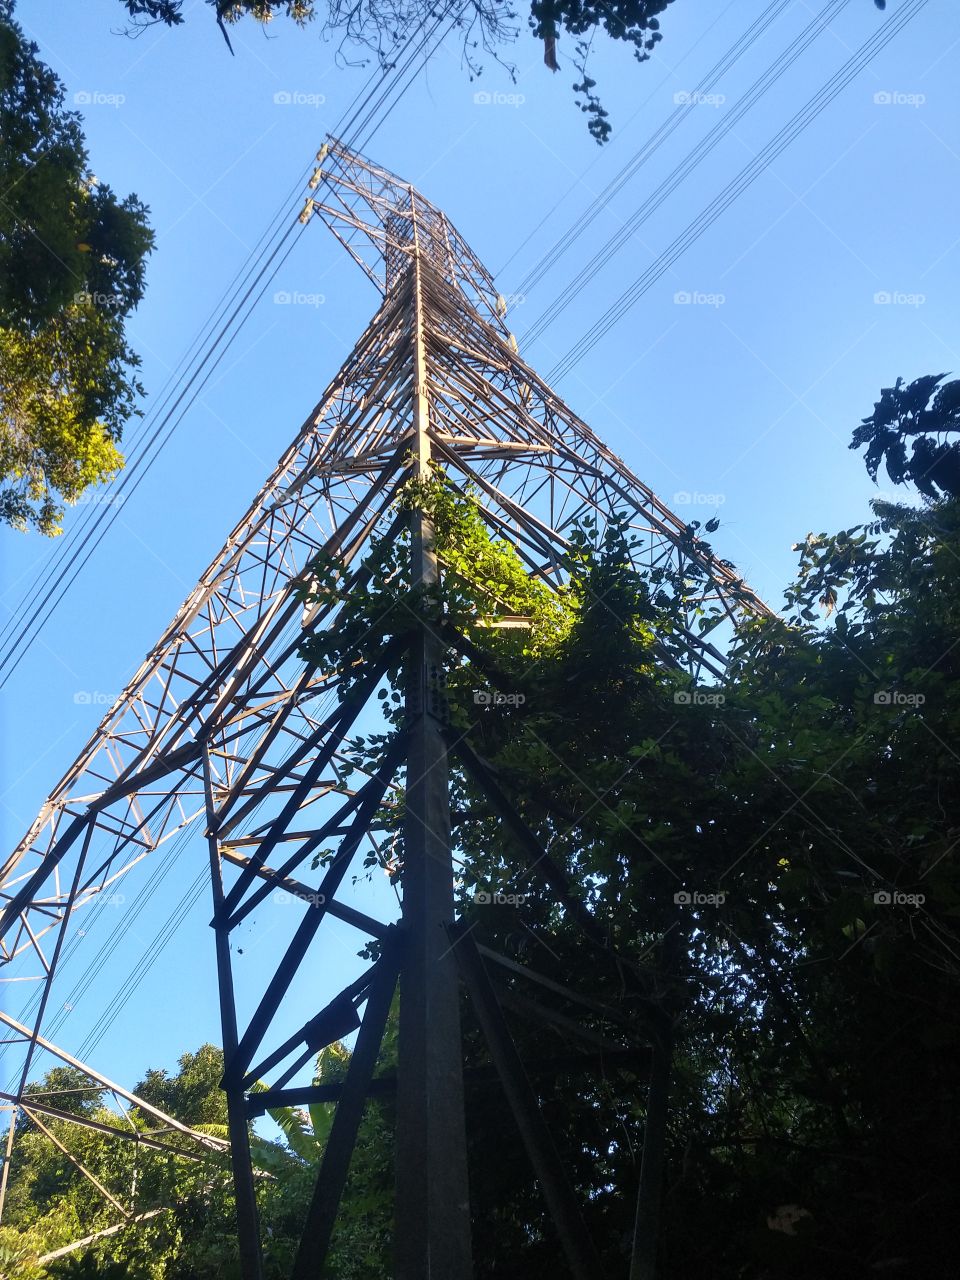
<point x="810" y="799"/>
<point x="51" y="1204"/>
<point x="72" y="261"/>
<point x="816" y="1006"/>
<point x="921" y="413"/>
<point x="193" y="1095"/>
<point x="487" y="26"/>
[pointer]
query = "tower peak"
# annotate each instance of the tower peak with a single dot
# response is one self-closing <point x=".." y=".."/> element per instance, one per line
<point x="383" y="221"/>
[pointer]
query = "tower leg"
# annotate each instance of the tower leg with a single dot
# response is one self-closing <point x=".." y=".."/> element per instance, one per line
<point x="432" y="1201"/>
<point x="248" y="1221"/>
<point x="643" y="1264"/>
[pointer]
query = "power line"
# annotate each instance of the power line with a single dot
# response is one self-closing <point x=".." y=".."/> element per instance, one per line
<point x="130" y="480"/>
<point x="650" y="147"/>
<point x="168" y="389"/>
<point x="127" y="479"/>
<point x="149" y="958"/>
<point x="165" y="395"/>
<point x="64" y="569"/>
<point x="795" y="126"/>
<point x="645" y="103"/>
<point x="773" y="73"/>
<point x="367" y="116"/>
<point x="102" y="957"/>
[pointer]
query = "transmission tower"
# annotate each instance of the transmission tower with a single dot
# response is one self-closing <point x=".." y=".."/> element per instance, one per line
<point x="227" y="728"/>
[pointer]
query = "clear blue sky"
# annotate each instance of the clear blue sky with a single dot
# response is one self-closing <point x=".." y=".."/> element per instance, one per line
<point x="752" y="399"/>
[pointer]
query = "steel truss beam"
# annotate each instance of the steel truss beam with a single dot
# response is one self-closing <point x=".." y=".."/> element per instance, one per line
<point x="636" y="1061"/>
<point x="226" y="729"/>
<point x="200" y="1147"/>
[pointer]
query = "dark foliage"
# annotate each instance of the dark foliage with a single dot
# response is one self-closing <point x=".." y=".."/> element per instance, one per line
<point x="919" y="414"/>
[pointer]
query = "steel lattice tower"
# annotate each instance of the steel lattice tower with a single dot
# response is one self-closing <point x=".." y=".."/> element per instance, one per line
<point x="225" y="726"/>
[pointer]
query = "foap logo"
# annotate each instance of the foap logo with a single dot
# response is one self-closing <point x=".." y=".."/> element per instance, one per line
<point x="693" y="98"/>
<point x="484" y="898"/>
<point x="895" y="698"/>
<point x="93" y="697"/>
<point x="96" y="98"/>
<point x="113" y="899"/>
<point x="897" y="298"/>
<point x="897" y="98"/>
<point x="698" y="698"/>
<point x="688" y="298"/>
<point x="694" y="898"/>
<point x="308" y="695"/>
<point x="86" y="299"/>
<point x="296" y="98"/>
<point x="486" y="698"/>
<point x="685" y="498"/>
<point x="894" y="898"/>
<point x="484" y="98"/>
<point x="286" y="898"/>
<point x="514" y="299"/>
<point x="284" y="298"/>
<point x="100" y="500"/>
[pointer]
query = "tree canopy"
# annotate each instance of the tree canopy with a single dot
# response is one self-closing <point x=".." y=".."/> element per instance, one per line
<point x="72" y="262"/>
<point x="773" y="857"/>
<point x="921" y="414"/>
<point x="51" y="1204"/>
<point x="488" y="28"/>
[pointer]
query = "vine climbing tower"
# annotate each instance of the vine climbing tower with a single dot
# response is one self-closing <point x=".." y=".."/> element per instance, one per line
<point x="226" y="727"/>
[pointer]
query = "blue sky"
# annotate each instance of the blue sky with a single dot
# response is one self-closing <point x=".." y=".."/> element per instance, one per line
<point x="746" y="394"/>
